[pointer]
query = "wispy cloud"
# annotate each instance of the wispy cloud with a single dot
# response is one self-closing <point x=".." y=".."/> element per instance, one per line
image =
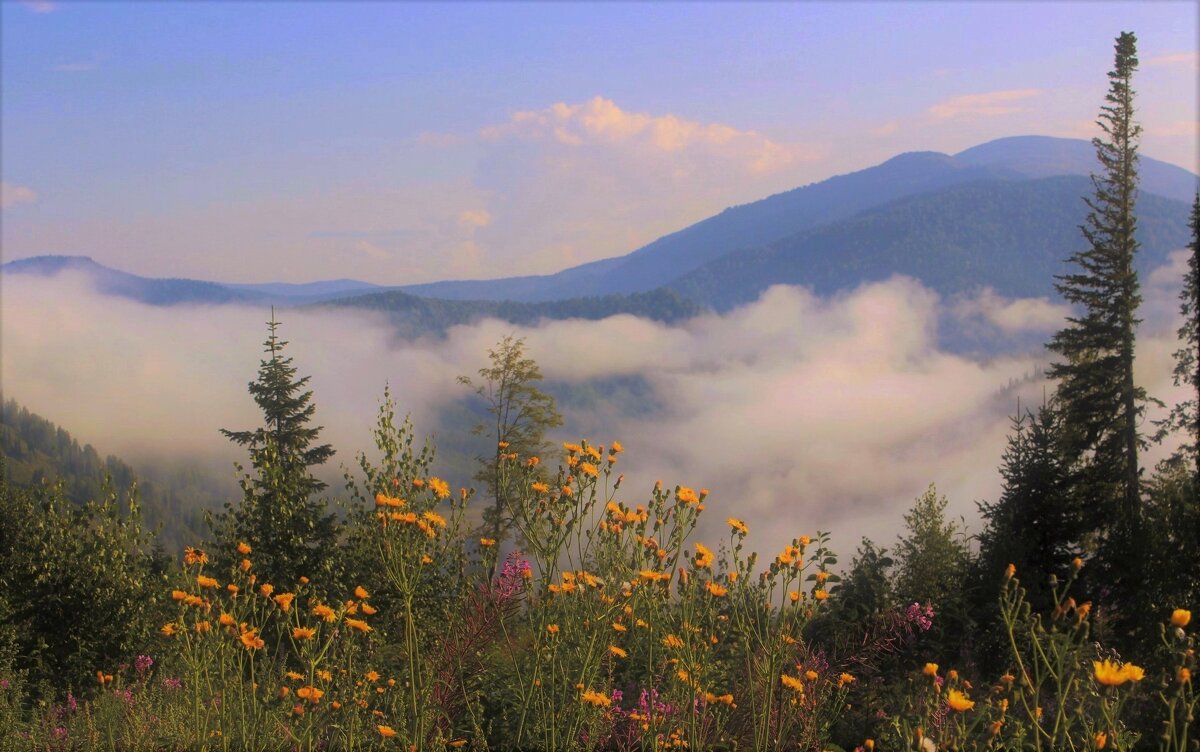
<point x="1178" y="128"/>
<point x="1175" y="60"/>
<point x="40" y="6"/>
<point x="988" y="104"/>
<point x="1014" y="316"/>
<point x="12" y="194"/>
<point x="474" y="218"/>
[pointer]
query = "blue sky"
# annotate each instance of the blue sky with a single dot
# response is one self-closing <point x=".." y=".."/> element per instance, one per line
<point x="409" y="142"/>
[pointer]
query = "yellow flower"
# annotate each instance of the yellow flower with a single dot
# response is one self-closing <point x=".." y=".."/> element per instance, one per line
<point x="168" y="629"/>
<point x="540" y="487"/>
<point x="372" y="675"/>
<point x="618" y="652"/>
<point x="794" y="596"/>
<point x="193" y="556"/>
<point x="232" y="588"/>
<point x="930" y="669"/>
<point x="435" y="518"/>
<point x="811" y="675"/>
<point x="805" y="540"/>
<point x="572" y="448"/>
<point x="303" y="633"/>
<point x="672" y="641"/>
<point x="619" y="627"/>
<point x="358" y="624"/>
<point x="1113" y="674"/>
<point x="616" y="447"/>
<point x="285" y="601"/>
<point x="845" y="679"/>
<point x="440" y="487"/>
<point x="294" y="676"/>
<point x="820" y="595"/>
<point x="687" y="495"/>
<point x="791" y="683"/>
<point x="324" y="612"/>
<point x="426" y="559"/>
<point x="715" y="590"/>
<point x="387" y="732"/>
<point x="1180" y="617"/>
<point x="178" y="595"/>
<point x="245" y="565"/>
<point x="592" y="697"/>
<point x="738" y="525"/>
<point x="958" y="701"/>
<point x="487" y="542"/>
<point x="243" y="549"/>
<point x="704" y="556"/>
<point x="361" y="592"/>
<point x="206" y="582"/>
<point x="589" y="469"/>
<point x="251" y="639"/>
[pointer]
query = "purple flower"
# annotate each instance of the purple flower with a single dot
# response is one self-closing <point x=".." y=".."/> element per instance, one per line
<point x="143" y="663"/>
<point x="922" y="617"/>
<point x="60" y="733"/>
<point x="172" y="683"/>
<point x="72" y="704"/>
<point x="4" y="684"/>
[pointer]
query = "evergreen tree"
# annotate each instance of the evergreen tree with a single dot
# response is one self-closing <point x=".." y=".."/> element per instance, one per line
<point x="1185" y="416"/>
<point x="521" y="413"/>
<point x="1100" y="404"/>
<point x="290" y="532"/>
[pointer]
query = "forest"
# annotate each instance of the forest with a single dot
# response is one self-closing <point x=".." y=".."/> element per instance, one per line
<point x="537" y="610"/>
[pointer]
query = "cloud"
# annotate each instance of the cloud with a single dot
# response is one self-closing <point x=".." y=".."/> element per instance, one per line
<point x="12" y="194"/>
<point x="1189" y="128"/>
<point x="40" y="6"/>
<point x="602" y="121"/>
<point x="474" y="218"/>
<point x="982" y="105"/>
<point x="439" y="140"/>
<point x="887" y="129"/>
<point x="1174" y="60"/>
<point x="1037" y="315"/>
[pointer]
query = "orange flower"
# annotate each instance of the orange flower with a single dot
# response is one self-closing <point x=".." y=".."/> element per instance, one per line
<point x="303" y="633"/>
<point x="618" y="652"/>
<point x="672" y="641"/>
<point x="791" y="683"/>
<point x="361" y="592"/>
<point x="958" y="701"/>
<point x="310" y="693"/>
<point x="387" y="732"/>
<point x="368" y="609"/>
<point x="206" y="582"/>
<point x="226" y="620"/>
<point x="358" y="624"/>
<point x="931" y="669"/>
<point x="552" y="628"/>
<point x="737" y="525"/>
<point x="251" y="639"/>
<point x="324" y="612"/>
<point x="243" y="548"/>
<point x="178" y="595"/>
<point x="845" y="679"/>
<point x="592" y="697"/>
<point x="193" y="556"/>
<point x="168" y="629"/>
<point x="372" y="675"/>
<point x="266" y="589"/>
<point x="1114" y="674"/>
<point x="715" y="590"/>
<point x="487" y="542"/>
<point x="1101" y="740"/>
<point x="820" y="595"/>
<point x="1180" y="617"/>
<point x="440" y="488"/>
<point x="285" y="601"/>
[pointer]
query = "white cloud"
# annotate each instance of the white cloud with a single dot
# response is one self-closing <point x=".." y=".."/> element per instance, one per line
<point x="12" y="194"/>
<point x="1174" y="60"/>
<point x="1014" y="316"/>
<point x="988" y="104"/>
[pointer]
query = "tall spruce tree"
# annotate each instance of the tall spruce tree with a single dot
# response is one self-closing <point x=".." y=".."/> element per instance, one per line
<point x="1099" y="402"/>
<point x="289" y="530"/>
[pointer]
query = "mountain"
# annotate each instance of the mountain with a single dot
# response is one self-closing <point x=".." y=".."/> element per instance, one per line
<point x="1011" y="235"/>
<point x="783" y="215"/>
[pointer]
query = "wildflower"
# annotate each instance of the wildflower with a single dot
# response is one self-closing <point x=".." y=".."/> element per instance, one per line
<point x="598" y="699"/>
<point x="845" y="679"/>
<point x="285" y="601"/>
<point x="811" y="675"/>
<point x="226" y="620"/>
<point x="687" y="495"/>
<point x="704" y="556"/>
<point x="284" y="692"/>
<point x="958" y="701"/>
<point x="619" y="627"/>
<point x="994" y="729"/>
<point x="805" y="540"/>
<point x="715" y="590"/>
<point x="588" y="469"/>
<point x="251" y="640"/>
<point x="192" y="556"/>
<point x="294" y="676"/>
<point x="457" y="743"/>
<point x="245" y="565"/>
<point x="324" y="612"/>
<point x="672" y="641"/>
<point x="303" y="633"/>
<point x="572" y="448"/>
<point x="540" y="487"/>
<point x="1113" y="674"/>
<point x="206" y="582"/>
<point x="143" y="663"/>
<point x="233" y="589"/>
<point x="202" y="626"/>
<point x="372" y="675"/>
<point x="552" y="628"/>
<point x="426" y="559"/>
<point x="820" y="594"/>
<point x="358" y="624"/>
<point x="616" y="447"/>
<point x="440" y="488"/>
<point x="794" y="596"/>
<point x="1184" y="676"/>
<point x="361" y="592"/>
<point x="1010" y="571"/>
<point x="1101" y="740"/>
<point x="266" y="589"/>
<point x="310" y="693"/>
<point x="435" y="518"/>
<point x="243" y="548"/>
<point x="618" y="652"/>
<point x="168" y="629"/>
<point x="178" y="595"/>
<point x="104" y="678"/>
<point x="931" y="669"/>
<point x="369" y="610"/>
<point x="791" y="683"/>
<point x="387" y="732"/>
<point x="1180" y="617"/>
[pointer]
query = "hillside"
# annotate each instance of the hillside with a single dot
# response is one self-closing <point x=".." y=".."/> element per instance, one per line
<point x="1013" y="236"/>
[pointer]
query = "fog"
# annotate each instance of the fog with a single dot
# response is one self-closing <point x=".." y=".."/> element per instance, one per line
<point x="798" y="413"/>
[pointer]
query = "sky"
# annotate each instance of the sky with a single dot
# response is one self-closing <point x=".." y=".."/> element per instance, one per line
<point x="399" y="143"/>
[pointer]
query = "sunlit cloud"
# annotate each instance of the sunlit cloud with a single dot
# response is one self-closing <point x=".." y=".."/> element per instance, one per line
<point x="988" y="104"/>
<point x="1174" y="60"/>
<point x="12" y="194"/>
<point x="1178" y="128"/>
<point x="1014" y="316"/>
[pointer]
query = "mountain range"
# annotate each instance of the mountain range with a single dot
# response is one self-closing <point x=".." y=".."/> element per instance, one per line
<point x="1003" y="214"/>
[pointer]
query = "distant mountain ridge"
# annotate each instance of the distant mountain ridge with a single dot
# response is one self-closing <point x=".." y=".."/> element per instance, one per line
<point x="1003" y="214"/>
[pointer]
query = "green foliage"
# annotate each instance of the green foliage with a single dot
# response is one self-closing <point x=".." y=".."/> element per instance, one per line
<point x="79" y="586"/>
<point x="933" y="566"/>
<point x="521" y="413"/>
<point x="291" y="532"/>
<point x="1185" y="416"/>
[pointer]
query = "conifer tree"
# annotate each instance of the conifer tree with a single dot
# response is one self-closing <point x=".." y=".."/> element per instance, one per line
<point x="1099" y="402"/>
<point x="289" y="531"/>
